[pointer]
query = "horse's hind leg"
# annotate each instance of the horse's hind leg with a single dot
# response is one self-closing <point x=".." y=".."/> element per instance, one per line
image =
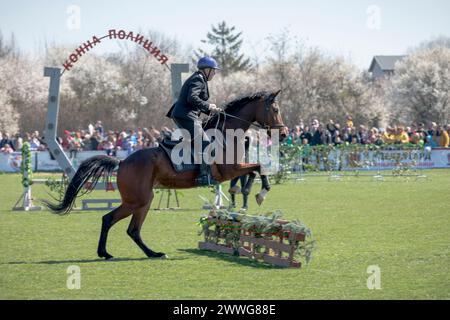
<point x="108" y="221"/>
<point x="134" y="229"/>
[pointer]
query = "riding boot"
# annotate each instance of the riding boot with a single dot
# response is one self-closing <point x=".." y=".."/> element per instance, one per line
<point x="205" y="176"/>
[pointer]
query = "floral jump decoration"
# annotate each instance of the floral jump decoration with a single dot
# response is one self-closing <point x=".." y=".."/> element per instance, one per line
<point x="267" y="238"/>
<point x="26" y="165"/>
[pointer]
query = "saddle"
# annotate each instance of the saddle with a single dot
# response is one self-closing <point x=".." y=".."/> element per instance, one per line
<point x="167" y="146"/>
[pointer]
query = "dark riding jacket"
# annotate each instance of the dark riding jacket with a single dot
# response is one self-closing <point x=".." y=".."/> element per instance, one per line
<point x="192" y="100"/>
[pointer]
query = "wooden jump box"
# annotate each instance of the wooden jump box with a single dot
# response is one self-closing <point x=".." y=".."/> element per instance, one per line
<point x="273" y="248"/>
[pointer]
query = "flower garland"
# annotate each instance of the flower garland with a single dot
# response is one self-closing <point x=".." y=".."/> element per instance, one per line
<point x="26" y="166"/>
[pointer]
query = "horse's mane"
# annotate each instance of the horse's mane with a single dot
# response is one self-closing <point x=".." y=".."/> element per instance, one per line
<point x="238" y="103"/>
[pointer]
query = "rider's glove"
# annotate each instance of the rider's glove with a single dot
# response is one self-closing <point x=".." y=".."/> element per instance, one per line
<point x="214" y="109"/>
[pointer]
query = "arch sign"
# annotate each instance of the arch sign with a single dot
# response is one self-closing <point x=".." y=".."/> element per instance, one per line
<point x="51" y="125"/>
<point x="114" y="34"/>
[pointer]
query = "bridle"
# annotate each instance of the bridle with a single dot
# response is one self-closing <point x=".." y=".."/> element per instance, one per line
<point x="265" y="126"/>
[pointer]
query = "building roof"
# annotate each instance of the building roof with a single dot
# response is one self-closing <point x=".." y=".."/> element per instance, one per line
<point x="386" y="63"/>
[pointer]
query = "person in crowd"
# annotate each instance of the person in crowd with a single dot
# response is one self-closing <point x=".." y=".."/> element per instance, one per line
<point x="99" y="128"/>
<point x="301" y="124"/>
<point x="86" y="142"/>
<point x="444" y="140"/>
<point x="107" y="146"/>
<point x="306" y="134"/>
<point x="17" y="142"/>
<point x="331" y="126"/>
<point x="314" y="125"/>
<point x="337" y="132"/>
<point x="317" y="135"/>
<point x="388" y="135"/>
<point x="127" y="143"/>
<point x="296" y="133"/>
<point x="91" y="129"/>
<point x="151" y="142"/>
<point x="327" y="137"/>
<point x="35" y="143"/>
<point x="362" y="135"/>
<point x="400" y="136"/>
<point x="75" y="144"/>
<point x="373" y="135"/>
<point x="338" y="141"/>
<point x="351" y="136"/>
<point x="417" y="139"/>
<point x="65" y="139"/>
<point x="6" y="149"/>
<point x="349" y="122"/>
<point x="430" y="142"/>
<point x="334" y="129"/>
<point x="6" y="139"/>
<point x="409" y="131"/>
<point x="95" y="140"/>
<point x="421" y="130"/>
<point x="306" y="153"/>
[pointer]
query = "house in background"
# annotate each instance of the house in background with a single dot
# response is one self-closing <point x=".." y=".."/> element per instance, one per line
<point x="382" y="66"/>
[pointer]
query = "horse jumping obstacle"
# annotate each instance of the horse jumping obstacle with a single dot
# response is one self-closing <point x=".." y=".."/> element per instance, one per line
<point x="108" y="204"/>
<point x="274" y="246"/>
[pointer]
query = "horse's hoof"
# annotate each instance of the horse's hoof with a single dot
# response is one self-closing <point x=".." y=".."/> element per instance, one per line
<point x="106" y="256"/>
<point x="259" y="199"/>
<point x="159" y="255"/>
<point x="235" y="190"/>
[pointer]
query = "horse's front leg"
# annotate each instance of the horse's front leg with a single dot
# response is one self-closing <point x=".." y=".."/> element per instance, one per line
<point x="265" y="188"/>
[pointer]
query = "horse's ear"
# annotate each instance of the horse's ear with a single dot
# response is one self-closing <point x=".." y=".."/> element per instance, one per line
<point x="274" y="95"/>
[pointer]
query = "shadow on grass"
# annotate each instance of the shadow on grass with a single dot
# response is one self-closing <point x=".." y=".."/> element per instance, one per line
<point x="246" y="262"/>
<point x="51" y="262"/>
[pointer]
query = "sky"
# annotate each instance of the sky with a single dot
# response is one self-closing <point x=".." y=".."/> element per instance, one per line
<point x="357" y="30"/>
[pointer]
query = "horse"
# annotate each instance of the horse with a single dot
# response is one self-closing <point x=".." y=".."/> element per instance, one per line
<point x="145" y="169"/>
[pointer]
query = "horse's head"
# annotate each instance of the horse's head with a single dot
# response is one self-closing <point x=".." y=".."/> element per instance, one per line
<point x="268" y="114"/>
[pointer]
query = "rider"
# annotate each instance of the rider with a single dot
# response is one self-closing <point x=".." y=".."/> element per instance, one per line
<point x="191" y="102"/>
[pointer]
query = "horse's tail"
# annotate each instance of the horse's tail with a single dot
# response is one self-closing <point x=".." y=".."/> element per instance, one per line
<point x="93" y="168"/>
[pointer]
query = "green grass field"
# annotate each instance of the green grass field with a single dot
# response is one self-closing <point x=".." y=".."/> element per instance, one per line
<point x="400" y="225"/>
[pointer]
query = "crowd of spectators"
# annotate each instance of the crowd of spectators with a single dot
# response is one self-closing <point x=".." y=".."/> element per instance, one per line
<point x="9" y="143"/>
<point x="95" y="137"/>
<point x="331" y="133"/>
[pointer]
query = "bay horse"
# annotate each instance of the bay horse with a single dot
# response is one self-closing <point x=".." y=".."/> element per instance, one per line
<point x="145" y="169"/>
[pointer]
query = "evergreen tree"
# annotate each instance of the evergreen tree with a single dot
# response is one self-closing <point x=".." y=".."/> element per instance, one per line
<point x="226" y="43"/>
